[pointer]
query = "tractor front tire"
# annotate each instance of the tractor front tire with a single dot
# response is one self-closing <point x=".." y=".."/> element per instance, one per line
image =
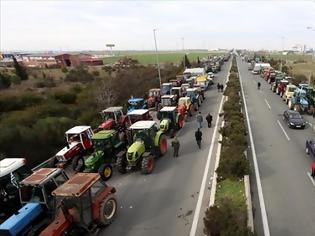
<point x="108" y="210"/>
<point x="147" y="164"/>
<point x="78" y="164"/>
<point x="121" y="164"/>
<point x="105" y="171"/>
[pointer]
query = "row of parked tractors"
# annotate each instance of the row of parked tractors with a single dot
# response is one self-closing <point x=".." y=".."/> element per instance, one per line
<point x="67" y="194"/>
<point x="299" y="97"/>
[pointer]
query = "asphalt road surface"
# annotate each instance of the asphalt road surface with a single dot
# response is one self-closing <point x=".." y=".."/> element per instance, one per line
<point x="288" y="191"/>
<point x="164" y="202"/>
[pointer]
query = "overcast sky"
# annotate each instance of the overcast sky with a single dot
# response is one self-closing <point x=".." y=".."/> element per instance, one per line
<point x="90" y="25"/>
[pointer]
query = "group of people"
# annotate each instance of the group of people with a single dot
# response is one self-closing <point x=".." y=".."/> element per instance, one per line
<point x="198" y="133"/>
<point x="220" y="87"/>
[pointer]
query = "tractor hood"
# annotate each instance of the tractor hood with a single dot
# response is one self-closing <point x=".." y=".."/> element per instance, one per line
<point x="91" y="161"/>
<point x="66" y="153"/>
<point x="164" y="124"/>
<point x="23" y="219"/>
<point x="135" y="151"/>
<point x="108" y="124"/>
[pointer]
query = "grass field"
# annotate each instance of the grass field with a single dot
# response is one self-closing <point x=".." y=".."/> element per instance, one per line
<point x="234" y="190"/>
<point x="164" y="57"/>
<point x="291" y="57"/>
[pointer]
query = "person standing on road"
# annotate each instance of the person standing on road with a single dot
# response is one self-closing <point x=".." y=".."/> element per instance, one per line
<point x="199" y="119"/>
<point x="222" y="87"/>
<point x="175" y="145"/>
<point x="209" y="120"/>
<point x="258" y="85"/>
<point x="218" y="86"/>
<point x="313" y="169"/>
<point x="198" y="136"/>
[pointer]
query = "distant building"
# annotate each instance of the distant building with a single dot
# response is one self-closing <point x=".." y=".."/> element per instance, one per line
<point x="40" y="60"/>
<point x="73" y="60"/>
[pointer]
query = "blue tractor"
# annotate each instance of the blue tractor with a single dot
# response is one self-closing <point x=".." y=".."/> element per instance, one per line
<point x="298" y="101"/>
<point x="35" y="196"/>
<point x="136" y="103"/>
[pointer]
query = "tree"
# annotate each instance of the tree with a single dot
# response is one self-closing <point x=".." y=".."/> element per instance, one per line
<point x="20" y="70"/>
<point x="186" y="62"/>
<point x="198" y="61"/>
<point x="5" y="81"/>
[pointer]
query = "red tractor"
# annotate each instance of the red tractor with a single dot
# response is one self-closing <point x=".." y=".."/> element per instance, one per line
<point x="114" y="118"/>
<point x="154" y="97"/>
<point x="83" y="204"/>
<point x="79" y="143"/>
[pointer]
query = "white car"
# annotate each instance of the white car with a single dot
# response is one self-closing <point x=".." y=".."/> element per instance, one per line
<point x="210" y="75"/>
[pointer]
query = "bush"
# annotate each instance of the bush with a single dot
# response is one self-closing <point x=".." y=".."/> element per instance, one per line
<point x="95" y="73"/>
<point x="64" y="70"/>
<point x="79" y="74"/>
<point x="65" y="97"/>
<point x="5" y="81"/>
<point x="45" y="83"/>
<point x="11" y="103"/>
<point x="226" y="220"/>
<point x="15" y="79"/>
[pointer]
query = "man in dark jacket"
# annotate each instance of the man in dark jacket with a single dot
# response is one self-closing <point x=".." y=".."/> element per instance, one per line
<point x="218" y="86"/>
<point x="198" y="136"/>
<point x="175" y="145"/>
<point x="209" y="120"/>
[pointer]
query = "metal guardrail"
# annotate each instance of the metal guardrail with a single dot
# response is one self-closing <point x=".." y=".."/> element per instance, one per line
<point x="44" y="164"/>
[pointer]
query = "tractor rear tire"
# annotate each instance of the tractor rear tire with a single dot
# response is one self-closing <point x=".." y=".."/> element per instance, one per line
<point x="147" y="164"/>
<point x="121" y="164"/>
<point x="78" y="164"/>
<point x="105" y="171"/>
<point x="108" y="210"/>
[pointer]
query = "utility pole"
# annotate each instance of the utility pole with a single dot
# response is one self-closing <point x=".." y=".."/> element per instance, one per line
<point x="157" y="57"/>
<point x="184" y="61"/>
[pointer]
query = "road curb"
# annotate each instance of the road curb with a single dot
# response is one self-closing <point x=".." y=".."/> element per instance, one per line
<point x="250" y="219"/>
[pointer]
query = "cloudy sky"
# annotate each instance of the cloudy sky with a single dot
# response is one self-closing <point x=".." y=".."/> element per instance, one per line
<point x="90" y="25"/>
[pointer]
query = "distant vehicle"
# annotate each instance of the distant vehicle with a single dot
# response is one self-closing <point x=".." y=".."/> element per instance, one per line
<point x="289" y="91"/>
<point x="259" y="66"/>
<point x="211" y="74"/>
<point x="293" y="119"/>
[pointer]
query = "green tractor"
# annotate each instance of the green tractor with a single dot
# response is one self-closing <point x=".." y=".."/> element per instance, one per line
<point x="148" y="143"/>
<point x="171" y="119"/>
<point x="108" y="146"/>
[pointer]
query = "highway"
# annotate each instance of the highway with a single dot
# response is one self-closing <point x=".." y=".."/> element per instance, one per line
<point x="164" y="202"/>
<point x="288" y="191"/>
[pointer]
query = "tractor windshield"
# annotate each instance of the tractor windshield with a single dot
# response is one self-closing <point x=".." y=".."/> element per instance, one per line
<point x="167" y="115"/>
<point x="109" y="115"/>
<point x="101" y="143"/>
<point x="291" y="89"/>
<point x="166" y="102"/>
<point x="166" y="89"/>
<point x="32" y="194"/>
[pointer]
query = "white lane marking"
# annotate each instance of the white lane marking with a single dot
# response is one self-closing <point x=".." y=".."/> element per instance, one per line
<point x="194" y="225"/>
<point x="285" y="133"/>
<point x="310" y="124"/>
<point x="311" y="178"/>
<point x="258" y="181"/>
<point x="267" y="104"/>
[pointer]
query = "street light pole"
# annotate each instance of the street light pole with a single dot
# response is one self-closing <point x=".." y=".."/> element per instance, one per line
<point x="184" y="60"/>
<point x="157" y="57"/>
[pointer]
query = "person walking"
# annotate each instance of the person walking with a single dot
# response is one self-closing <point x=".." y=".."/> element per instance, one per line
<point x="313" y="170"/>
<point x="199" y="119"/>
<point x="222" y="87"/>
<point x="258" y="85"/>
<point x="175" y="145"/>
<point x="209" y="120"/>
<point x="218" y="86"/>
<point x="198" y="136"/>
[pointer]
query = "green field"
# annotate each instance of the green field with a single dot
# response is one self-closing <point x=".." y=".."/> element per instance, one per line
<point x="291" y="57"/>
<point x="164" y="57"/>
<point x="234" y="190"/>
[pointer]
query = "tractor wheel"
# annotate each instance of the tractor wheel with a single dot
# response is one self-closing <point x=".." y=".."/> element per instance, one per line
<point x="121" y="164"/>
<point x="105" y="171"/>
<point x="78" y="164"/>
<point x="108" y="210"/>
<point x="147" y="164"/>
<point x="162" y="145"/>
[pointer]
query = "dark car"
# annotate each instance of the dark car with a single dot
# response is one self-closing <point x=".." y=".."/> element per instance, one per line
<point x="293" y="119"/>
